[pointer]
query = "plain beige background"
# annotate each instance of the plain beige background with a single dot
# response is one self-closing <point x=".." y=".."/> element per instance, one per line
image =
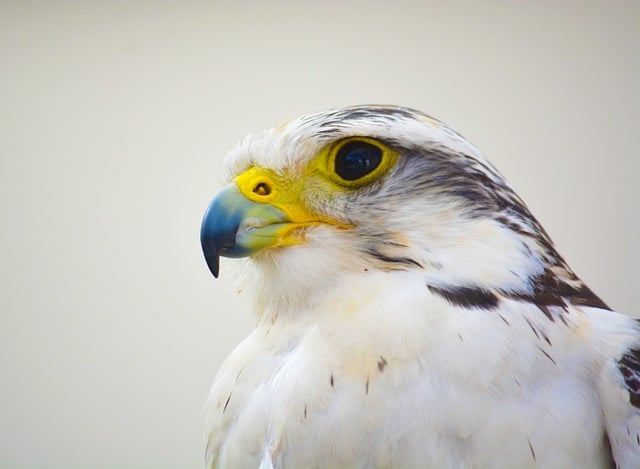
<point x="115" y="117"/>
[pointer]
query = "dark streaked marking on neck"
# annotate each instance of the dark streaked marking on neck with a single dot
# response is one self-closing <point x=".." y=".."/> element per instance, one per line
<point x="382" y="363"/>
<point x="549" y="290"/>
<point x="629" y="366"/>
<point x="394" y="260"/>
<point x="533" y="453"/>
<point x="226" y="403"/>
<point x="547" y="355"/>
<point x="505" y="321"/>
<point x="535" y="331"/>
<point x="467" y="297"/>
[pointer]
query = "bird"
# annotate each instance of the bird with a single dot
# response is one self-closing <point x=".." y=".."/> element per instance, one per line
<point x="410" y="311"/>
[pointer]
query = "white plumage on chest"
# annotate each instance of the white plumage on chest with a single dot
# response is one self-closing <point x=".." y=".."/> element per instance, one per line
<point x="388" y="374"/>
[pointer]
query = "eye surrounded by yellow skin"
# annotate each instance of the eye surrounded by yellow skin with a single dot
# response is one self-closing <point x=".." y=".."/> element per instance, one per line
<point x="356" y="161"/>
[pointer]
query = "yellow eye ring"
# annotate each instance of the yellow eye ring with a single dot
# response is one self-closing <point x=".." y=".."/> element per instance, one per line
<point x="357" y="161"/>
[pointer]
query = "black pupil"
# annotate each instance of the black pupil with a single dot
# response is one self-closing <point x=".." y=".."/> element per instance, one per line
<point x="357" y="159"/>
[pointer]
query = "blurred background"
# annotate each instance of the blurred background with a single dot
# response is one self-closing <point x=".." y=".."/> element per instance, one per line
<point x="114" y="120"/>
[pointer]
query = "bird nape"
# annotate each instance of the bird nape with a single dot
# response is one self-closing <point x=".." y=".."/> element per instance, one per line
<point x="411" y="310"/>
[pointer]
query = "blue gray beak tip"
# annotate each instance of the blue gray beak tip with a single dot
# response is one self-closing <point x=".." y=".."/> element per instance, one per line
<point x="211" y="255"/>
<point x="216" y="234"/>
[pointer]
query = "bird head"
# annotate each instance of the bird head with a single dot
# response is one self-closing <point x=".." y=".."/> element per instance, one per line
<point x="373" y="189"/>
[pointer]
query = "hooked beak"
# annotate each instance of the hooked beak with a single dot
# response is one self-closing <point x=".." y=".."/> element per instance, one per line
<point x="234" y="226"/>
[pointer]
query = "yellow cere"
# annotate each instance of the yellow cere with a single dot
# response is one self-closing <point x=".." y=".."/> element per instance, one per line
<point x="266" y="187"/>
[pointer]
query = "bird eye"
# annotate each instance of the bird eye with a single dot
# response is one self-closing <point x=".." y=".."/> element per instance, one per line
<point x="356" y="159"/>
<point x="354" y="162"/>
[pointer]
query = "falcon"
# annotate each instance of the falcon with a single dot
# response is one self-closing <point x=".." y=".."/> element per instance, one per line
<point x="411" y="311"/>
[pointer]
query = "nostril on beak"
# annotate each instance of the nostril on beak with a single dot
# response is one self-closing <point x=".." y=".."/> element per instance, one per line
<point x="262" y="189"/>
